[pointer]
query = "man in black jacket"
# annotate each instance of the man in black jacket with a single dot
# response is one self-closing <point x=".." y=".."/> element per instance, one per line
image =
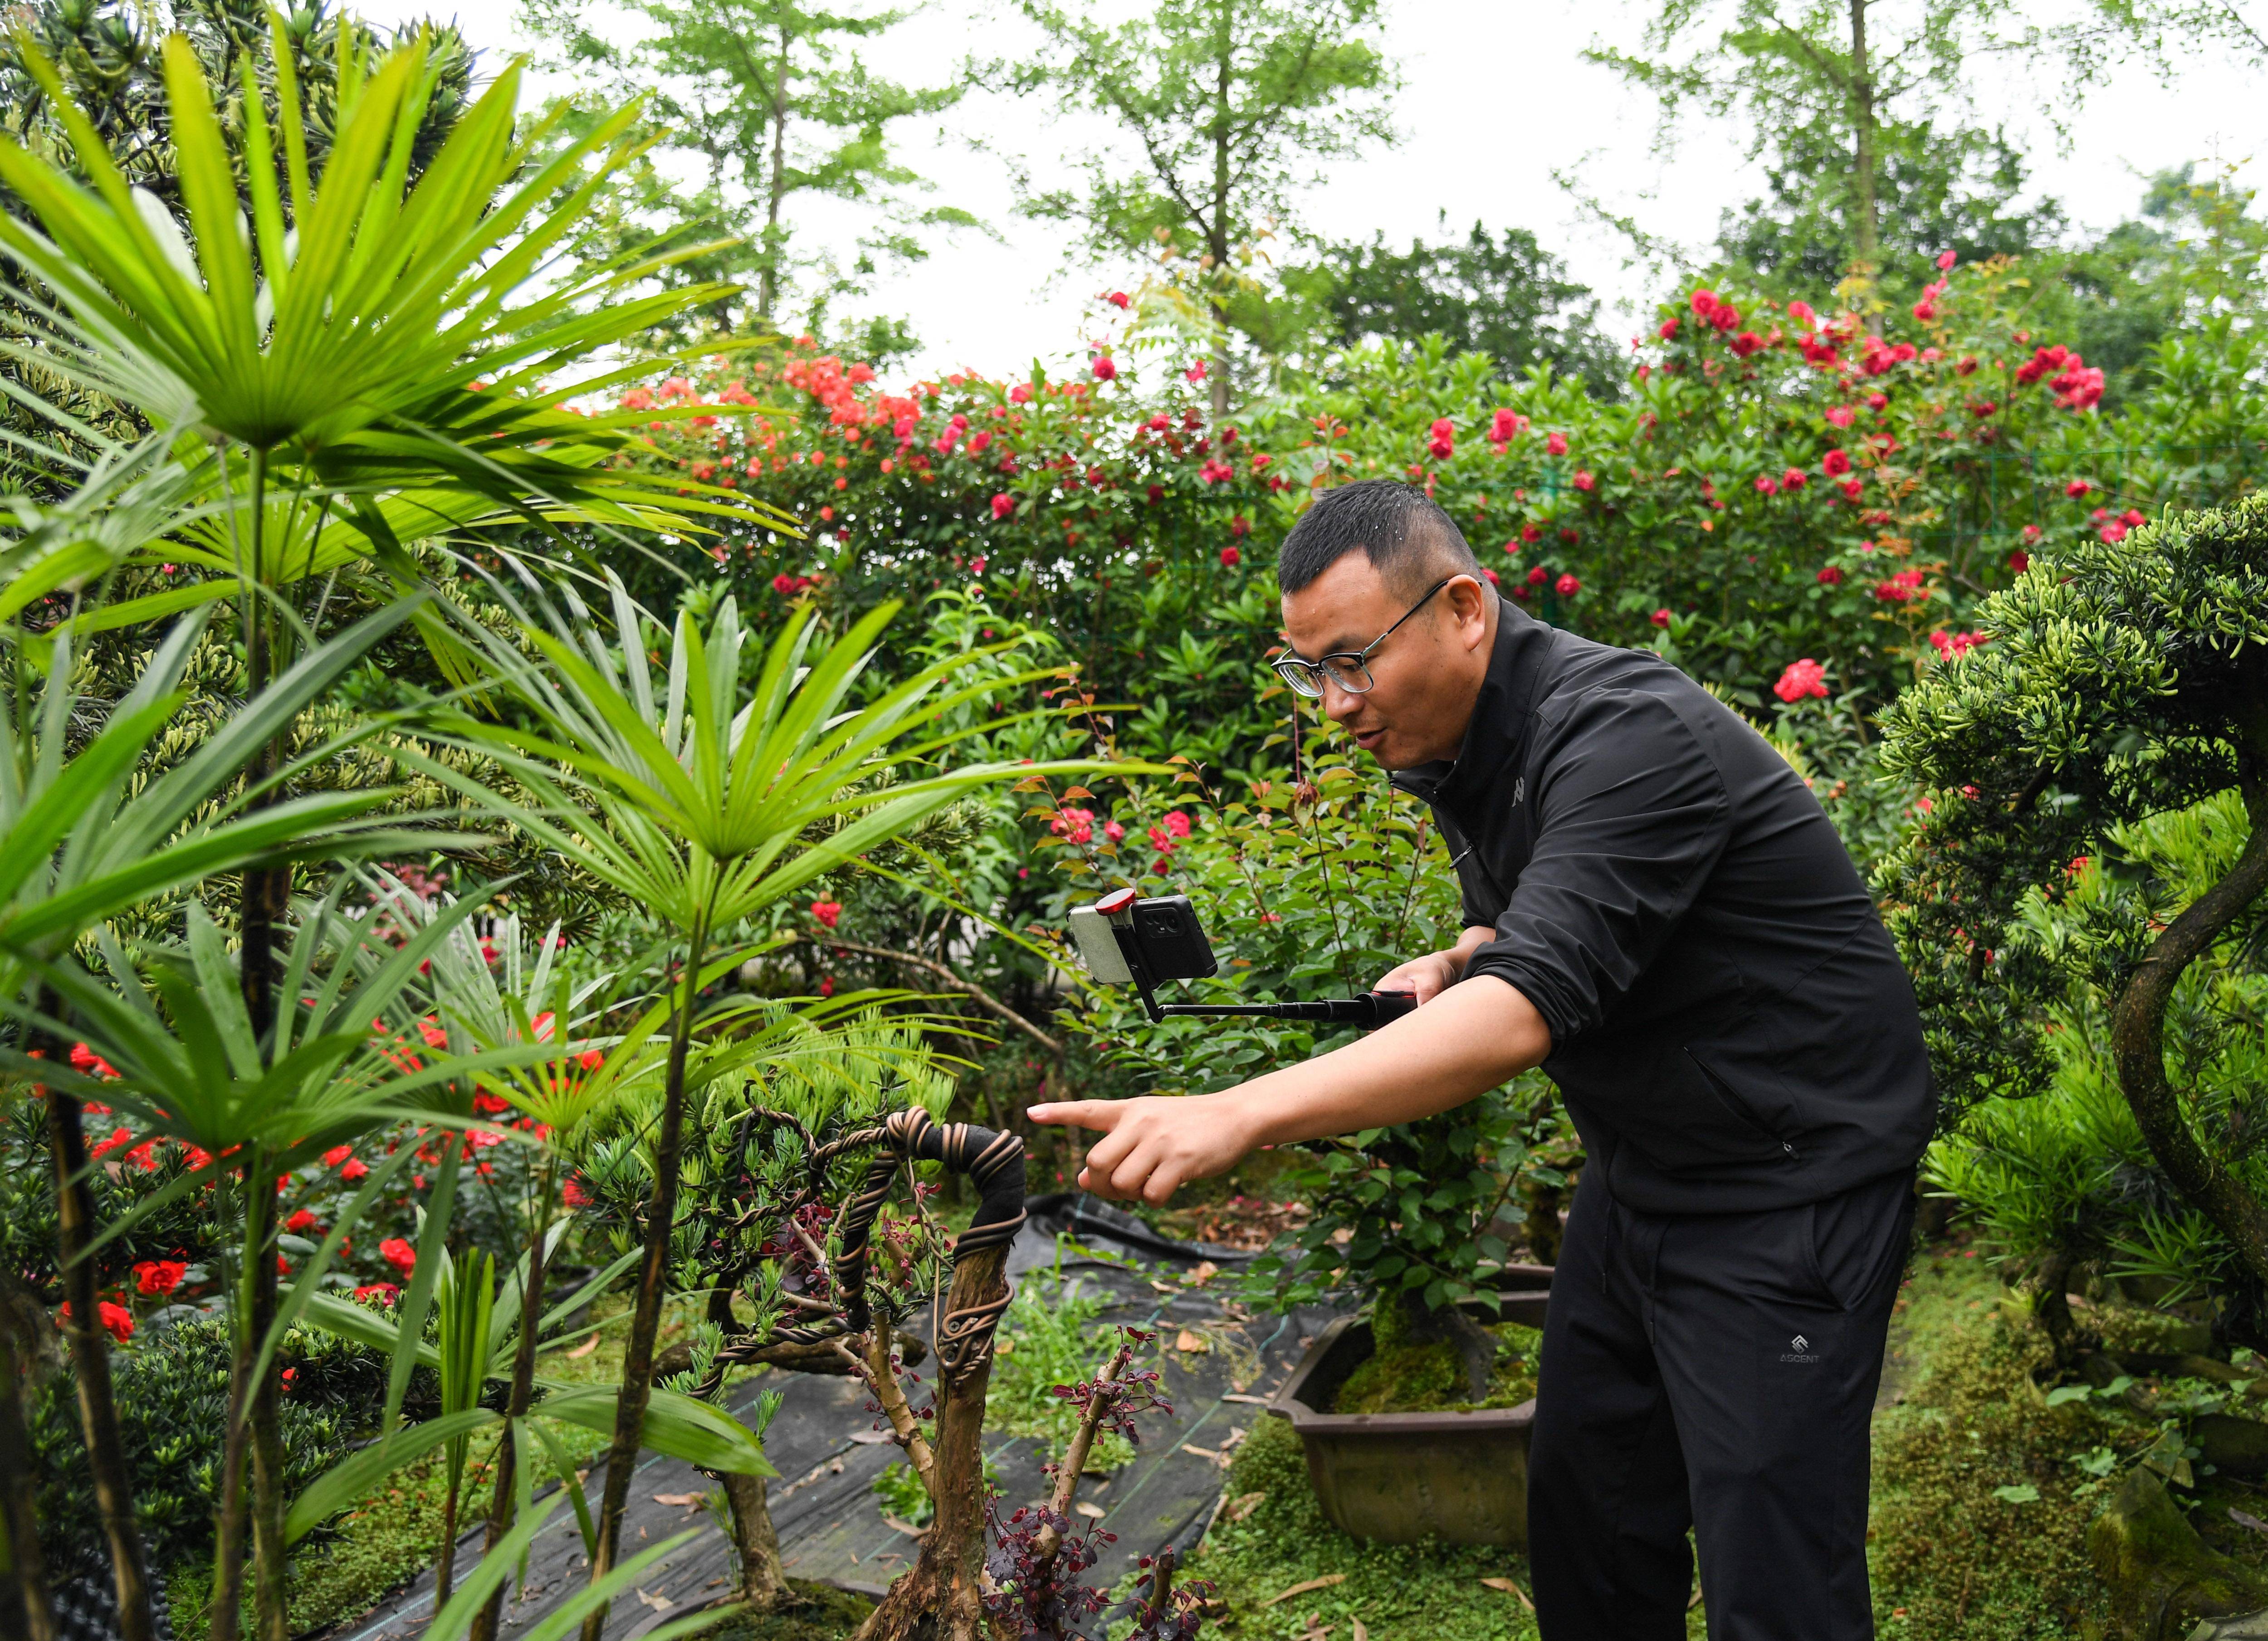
<point x="1658" y="913"/>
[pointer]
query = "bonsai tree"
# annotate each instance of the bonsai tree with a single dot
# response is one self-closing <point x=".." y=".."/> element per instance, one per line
<point x="2118" y="680"/>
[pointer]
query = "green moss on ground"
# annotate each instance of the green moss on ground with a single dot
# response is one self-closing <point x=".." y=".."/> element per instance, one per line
<point x="809" y="1612"/>
<point x="1413" y="1377"/>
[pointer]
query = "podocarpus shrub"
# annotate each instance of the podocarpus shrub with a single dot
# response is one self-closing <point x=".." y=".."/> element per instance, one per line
<point x="2121" y="680"/>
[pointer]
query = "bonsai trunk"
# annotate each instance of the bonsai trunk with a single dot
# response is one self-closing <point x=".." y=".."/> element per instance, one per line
<point x="762" y="1582"/>
<point x="2138" y="1024"/>
<point x="1543" y="1227"/>
<point x="90" y="1351"/>
<point x="938" y="1599"/>
<point x="1448" y="1325"/>
<point x="25" y="1612"/>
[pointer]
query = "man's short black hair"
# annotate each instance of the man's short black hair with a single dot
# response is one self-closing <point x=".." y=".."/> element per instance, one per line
<point x="1410" y="540"/>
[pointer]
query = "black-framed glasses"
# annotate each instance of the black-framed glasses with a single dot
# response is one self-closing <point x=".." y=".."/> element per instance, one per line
<point x="1349" y="669"/>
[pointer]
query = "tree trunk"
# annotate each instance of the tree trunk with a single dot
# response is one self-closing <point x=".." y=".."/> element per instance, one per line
<point x="26" y="1613"/>
<point x="2138" y="1022"/>
<point x="762" y="1581"/>
<point x="90" y="1353"/>
<point x="775" y="195"/>
<point x="1217" y="229"/>
<point x="653" y="1272"/>
<point x="1864" y="232"/>
<point x="269" y="1552"/>
<point x="939" y="1599"/>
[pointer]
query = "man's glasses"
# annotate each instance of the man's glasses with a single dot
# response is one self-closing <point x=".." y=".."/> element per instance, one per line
<point x="1349" y="669"/>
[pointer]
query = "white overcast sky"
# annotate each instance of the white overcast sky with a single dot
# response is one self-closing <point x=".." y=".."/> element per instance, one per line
<point x="1495" y="98"/>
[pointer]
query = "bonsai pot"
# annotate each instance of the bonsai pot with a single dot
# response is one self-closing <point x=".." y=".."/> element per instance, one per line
<point x="1396" y="1477"/>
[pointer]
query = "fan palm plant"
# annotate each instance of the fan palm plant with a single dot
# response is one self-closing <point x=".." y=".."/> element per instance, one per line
<point x="745" y="777"/>
<point x="360" y="357"/>
<point x="82" y="841"/>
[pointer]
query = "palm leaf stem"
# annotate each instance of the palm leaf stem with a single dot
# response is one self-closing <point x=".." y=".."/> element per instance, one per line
<point x="486" y="1620"/>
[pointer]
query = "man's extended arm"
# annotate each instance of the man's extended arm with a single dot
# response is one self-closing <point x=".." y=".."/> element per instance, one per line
<point x="1466" y="1040"/>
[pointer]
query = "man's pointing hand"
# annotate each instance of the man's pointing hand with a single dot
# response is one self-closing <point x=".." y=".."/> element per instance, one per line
<point x="1151" y="1146"/>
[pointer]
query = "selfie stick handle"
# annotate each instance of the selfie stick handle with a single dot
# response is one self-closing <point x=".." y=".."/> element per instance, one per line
<point x="1371" y="1009"/>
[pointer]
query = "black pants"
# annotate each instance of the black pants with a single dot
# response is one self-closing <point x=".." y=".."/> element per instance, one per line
<point x="1715" y="1372"/>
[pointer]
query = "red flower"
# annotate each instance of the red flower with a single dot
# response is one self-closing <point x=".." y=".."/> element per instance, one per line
<point x="1529" y="532"/>
<point x="398" y="1254"/>
<point x="827" y="985"/>
<point x="1116" y="298"/>
<point x="117" y="1319"/>
<point x="1829" y="576"/>
<point x="1177" y="823"/>
<point x="1104" y="368"/>
<point x="1802" y="678"/>
<point x="1239" y="526"/>
<point x="1900" y="587"/>
<point x="1767" y="485"/>
<point x="2077" y="488"/>
<point x="1802" y="314"/>
<point x="2020" y="561"/>
<point x="1566" y="586"/>
<point x="1835" y="464"/>
<point x="336" y="1155"/>
<point x="1112" y="830"/>
<point x="1021" y="394"/>
<point x="1746" y="343"/>
<point x="1668" y="329"/>
<point x="1794" y="479"/>
<point x="827" y="912"/>
<point x="1505" y="425"/>
<point x="2115" y="531"/>
<point x="2134" y="516"/>
<point x="1981" y="408"/>
<point x="158" y="1278"/>
<point x="1851" y="489"/>
<point x="1077" y="825"/>
<point x="1555" y="444"/>
<point x="1953" y="645"/>
<point x="1494" y="580"/>
<point x="1003" y="504"/>
<point x="1583" y="481"/>
<point x="1945" y="260"/>
<point x="1968" y="365"/>
<point x="1878" y="402"/>
<point x="301" y="1222"/>
<point x="1538" y="576"/>
<point x="120" y="1138"/>
<point x="1841" y="416"/>
<point x="1443" y="444"/>
<point x="1661" y="618"/>
<point x="1230" y="557"/>
<point x="1160" y="866"/>
<point x="385" y="1292"/>
<point x="591" y="1059"/>
<point x="356" y="1168"/>
<point x="574" y="1195"/>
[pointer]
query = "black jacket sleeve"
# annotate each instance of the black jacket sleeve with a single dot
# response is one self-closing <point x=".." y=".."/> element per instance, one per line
<point x="1632" y="814"/>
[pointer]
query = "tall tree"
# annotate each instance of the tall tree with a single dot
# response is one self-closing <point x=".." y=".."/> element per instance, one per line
<point x="1501" y="294"/>
<point x="771" y="98"/>
<point x="1232" y="105"/>
<point x="1844" y="95"/>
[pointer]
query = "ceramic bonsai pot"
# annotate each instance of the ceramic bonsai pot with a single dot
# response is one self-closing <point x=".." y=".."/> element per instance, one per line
<point x="1396" y="1477"/>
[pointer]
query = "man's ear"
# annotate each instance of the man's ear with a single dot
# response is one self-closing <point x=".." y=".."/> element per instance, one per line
<point x="1469" y="603"/>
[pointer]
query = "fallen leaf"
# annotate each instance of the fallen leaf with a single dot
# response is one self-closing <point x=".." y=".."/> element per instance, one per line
<point x="2244" y="1520"/>
<point x="1245" y="1505"/>
<point x="1205" y="1272"/>
<point x="1323" y="1583"/>
<point x="1508" y="1586"/>
<point x="683" y="1501"/>
<point x="660" y="1603"/>
<point x="868" y="1438"/>
<point x="1360" y="1634"/>
<point x="1202" y="1453"/>
<point x="583" y="1349"/>
<point x="1162" y="1287"/>
<point x="1091" y="1512"/>
<point x="1257" y="1401"/>
<point x="1191" y="1342"/>
<point x="906" y="1528"/>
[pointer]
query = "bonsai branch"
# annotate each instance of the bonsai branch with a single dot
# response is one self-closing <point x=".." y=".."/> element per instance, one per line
<point x="2138" y="1040"/>
<point x="879" y="1372"/>
<point x="969" y="988"/>
<point x="1105" y="1396"/>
